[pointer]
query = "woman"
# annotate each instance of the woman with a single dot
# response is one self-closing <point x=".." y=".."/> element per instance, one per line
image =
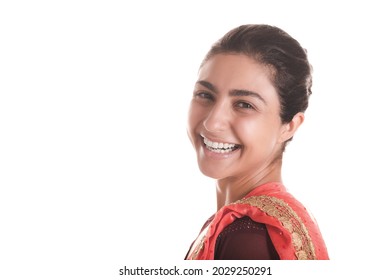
<point x="248" y="102"/>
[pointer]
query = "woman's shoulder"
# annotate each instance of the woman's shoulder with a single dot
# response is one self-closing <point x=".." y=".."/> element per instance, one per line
<point x="244" y="239"/>
<point x="288" y="222"/>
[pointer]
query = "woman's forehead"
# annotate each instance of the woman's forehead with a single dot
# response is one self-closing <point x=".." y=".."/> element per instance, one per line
<point x="235" y="70"/>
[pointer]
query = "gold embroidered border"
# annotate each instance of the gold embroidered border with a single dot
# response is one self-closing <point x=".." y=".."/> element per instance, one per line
<point x="193" y="255"/>
<point x="303" y="245"/>
<point x="198" y="244"/>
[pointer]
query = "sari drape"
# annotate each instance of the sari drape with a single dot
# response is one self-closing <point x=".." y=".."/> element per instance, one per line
<point x="293" y="231"/>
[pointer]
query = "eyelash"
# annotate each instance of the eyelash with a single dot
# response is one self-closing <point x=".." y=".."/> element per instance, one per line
<point x="206" y="96"/>
<point x="246" y="105"/>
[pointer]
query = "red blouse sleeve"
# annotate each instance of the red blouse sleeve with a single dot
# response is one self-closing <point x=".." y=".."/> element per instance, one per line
<point x="245" y="239"/>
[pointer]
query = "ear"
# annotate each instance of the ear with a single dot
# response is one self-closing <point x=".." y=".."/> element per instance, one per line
<point x="288" y="130"/>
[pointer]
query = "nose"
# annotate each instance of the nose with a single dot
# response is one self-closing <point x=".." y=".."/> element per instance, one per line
<point x="217" y="119"/>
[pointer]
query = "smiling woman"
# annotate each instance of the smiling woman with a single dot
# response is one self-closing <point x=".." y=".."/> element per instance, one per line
<point x="249" y="100"/>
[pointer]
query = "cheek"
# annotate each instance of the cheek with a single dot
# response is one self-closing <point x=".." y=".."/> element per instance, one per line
<point x="194" y="118"/>
<point x="257" y="133"/>
<point x="191" y="116"/>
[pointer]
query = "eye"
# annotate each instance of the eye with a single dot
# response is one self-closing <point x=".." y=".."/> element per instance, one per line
<point x="244" y="105"/>
<point x="204" y="95"/>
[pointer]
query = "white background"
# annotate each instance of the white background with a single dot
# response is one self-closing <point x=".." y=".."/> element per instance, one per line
<point x="96" y="170"/>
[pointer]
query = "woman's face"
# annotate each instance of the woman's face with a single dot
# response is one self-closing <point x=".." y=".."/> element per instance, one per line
<point x="234" y="123"/>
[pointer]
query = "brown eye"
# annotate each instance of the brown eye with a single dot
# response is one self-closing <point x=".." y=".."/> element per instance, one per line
<point x="244" y="105"/>
<point x="204" y="95"/>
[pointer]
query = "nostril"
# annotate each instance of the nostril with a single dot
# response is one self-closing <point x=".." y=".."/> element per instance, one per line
<point x="214" y="124"/>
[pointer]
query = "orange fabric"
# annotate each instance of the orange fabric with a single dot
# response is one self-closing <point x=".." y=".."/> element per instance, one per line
<point x="294" y="233"/>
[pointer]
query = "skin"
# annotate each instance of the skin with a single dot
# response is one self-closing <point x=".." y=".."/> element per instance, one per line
<point x="234" y="101"/>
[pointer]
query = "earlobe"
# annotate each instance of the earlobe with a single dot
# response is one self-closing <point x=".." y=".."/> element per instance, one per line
<point x="290" y="128"/>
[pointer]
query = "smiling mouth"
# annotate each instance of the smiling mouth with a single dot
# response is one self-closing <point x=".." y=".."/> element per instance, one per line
<point x="218" y="147"/>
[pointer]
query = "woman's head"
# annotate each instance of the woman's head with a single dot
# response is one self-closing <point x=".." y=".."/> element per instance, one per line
<point x="287" y="60"/>
<point x="249" y="100"/>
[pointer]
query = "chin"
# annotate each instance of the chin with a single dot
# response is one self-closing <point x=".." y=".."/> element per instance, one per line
<point x="212" y="172"/>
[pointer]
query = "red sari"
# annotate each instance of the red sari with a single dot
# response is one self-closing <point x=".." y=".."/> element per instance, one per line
<point x="294" y="233"/>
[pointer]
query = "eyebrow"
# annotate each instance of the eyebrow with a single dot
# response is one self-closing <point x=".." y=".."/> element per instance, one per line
<point x="208" y="85"/>
<point x="234" y="92"/>
<point x="243" y="92"/>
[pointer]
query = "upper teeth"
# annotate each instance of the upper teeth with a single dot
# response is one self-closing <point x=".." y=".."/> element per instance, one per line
<point x="217" y="145"/>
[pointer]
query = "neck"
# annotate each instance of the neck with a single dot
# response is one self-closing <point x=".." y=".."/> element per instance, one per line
<point x="232" y="189"/>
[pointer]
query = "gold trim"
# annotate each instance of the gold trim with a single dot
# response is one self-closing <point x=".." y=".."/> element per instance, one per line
<point x="198" y="244"/>
<point x="275" y="207"/>
<point x="197" y="249"/>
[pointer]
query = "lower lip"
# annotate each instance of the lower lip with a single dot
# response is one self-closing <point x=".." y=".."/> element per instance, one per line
<point x="215" y="155"/>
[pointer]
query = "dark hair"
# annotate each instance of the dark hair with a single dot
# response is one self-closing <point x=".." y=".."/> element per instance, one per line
<point x="273" y="47"/>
